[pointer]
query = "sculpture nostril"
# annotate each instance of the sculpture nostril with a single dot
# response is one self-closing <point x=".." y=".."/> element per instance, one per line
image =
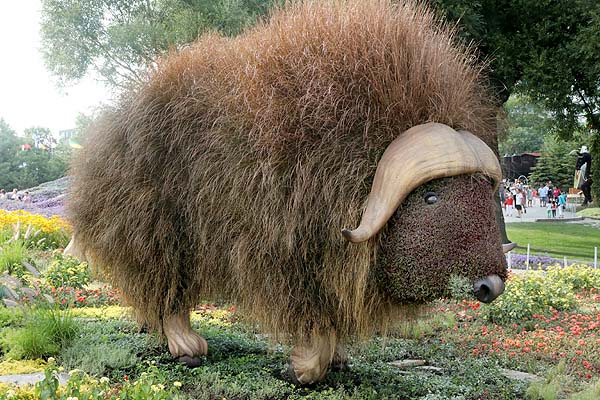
<point x="488" y="289"/>
<point x="482" y="292"/>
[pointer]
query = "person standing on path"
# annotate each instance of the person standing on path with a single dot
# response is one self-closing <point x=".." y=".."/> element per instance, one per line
<point x="562" y="204"/>
<point x="520" y="201"/>
<point x="543" y="195"/>
<point x="508" y="204"/>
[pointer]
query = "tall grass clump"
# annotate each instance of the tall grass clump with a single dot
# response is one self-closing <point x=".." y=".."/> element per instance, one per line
<point x="44" y="333"/>
<point x="12" y="256"/>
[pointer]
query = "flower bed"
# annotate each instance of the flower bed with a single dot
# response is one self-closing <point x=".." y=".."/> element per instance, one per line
<point x="548" y="337"/>
<point x="86" y="297"/>
<point x="35" y="230"/>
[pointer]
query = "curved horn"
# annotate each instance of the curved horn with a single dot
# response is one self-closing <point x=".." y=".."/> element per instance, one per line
<point x="422" y="153"/>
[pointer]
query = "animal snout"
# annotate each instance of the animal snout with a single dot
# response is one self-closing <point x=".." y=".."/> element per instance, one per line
<point x="487" y="289"/>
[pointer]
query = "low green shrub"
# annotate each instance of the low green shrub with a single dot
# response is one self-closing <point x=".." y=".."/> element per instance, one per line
<point x="10" y="317"/>
<point x="12" y="256"/>
<point x="98" y="359"/>
<point x="530" y="294"/>
<point x="593" y="212"/>
<point x="551" y="387"/>
<point x="44" y="332"/>
<point x="110" y="348"/>
<point x="28" y="343"/>
<point x="152" y="385"/>
<point x="67" y="271"/>
<point x="579" y="277"/>
<point x="589" y="393"/>
<point x="460" y="288"/>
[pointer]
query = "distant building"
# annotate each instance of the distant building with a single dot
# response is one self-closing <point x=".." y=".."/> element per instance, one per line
<point x="66" y="134"/>
<point x="518" y="164"/>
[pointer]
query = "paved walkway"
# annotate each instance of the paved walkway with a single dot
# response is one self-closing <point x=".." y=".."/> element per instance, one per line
<point x="537" y="213"/>
<point x="31" y="379"/>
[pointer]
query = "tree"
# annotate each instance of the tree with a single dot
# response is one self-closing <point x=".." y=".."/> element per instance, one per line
<point x="9" y="146"/>
<point x="555" y="165"/>
<point x="528" y="126"/>
<point x="546" y="49"/>
<point x="119" y="39"/>
<point x="23" y="168"/>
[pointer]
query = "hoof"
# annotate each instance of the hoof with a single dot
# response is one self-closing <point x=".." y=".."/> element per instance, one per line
<point x="182" y="340"/>
<point x="191" y="362"/>
<point x="187" y="344"/>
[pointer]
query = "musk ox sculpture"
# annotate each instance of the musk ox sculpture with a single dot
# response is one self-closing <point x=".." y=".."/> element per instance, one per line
<point x="235" y="170"/>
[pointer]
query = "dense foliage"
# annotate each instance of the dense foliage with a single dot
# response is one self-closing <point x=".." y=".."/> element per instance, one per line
<point x="554" y="165"/>
<point x="119" y="39"/>
<point x="548" y="50"/>
<point x="546" y="323"/>
<point x="528" y="126"/>
<point x="23" y="168"/>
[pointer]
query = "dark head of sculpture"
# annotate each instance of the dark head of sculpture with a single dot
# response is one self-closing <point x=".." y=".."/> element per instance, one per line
<point x="433" y="192"/>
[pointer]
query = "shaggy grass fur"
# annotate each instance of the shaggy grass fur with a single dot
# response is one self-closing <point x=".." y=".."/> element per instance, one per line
<point x="232" y="171"/>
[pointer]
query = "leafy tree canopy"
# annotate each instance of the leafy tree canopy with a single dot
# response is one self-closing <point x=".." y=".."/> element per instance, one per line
<point x="555" y="165"/>
<point x="546" y="49"/>
<point x="527" y="126"/>
<point x="118" y="39"/>
<point x="21" y="168"/>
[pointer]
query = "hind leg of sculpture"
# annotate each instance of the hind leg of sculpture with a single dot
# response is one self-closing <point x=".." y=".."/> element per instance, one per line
<point x="184" y="344"/>
<point x="309" y="361"/>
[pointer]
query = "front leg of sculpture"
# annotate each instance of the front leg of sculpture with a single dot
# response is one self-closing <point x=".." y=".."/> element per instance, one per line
<point x="184" y="344"/>
<point x="309" y="361"/>
<point x="74" y="249"/>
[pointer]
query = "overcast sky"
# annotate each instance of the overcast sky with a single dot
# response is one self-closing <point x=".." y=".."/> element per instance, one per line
<point x="29" y="95"/>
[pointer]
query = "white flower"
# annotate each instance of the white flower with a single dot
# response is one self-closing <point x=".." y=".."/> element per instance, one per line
<point x="104" y="379"/>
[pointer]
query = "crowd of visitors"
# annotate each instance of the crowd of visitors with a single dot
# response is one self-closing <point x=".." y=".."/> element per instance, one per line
<point x="516" y="197"/>
<point x="15" y="195"/>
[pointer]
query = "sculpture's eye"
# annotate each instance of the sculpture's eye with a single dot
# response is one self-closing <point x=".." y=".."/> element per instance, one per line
<point x="430" y="198"/>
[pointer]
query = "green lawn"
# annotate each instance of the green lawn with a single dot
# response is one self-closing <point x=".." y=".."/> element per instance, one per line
<point x="593" y="212"/>
<point x="557" y="239"/>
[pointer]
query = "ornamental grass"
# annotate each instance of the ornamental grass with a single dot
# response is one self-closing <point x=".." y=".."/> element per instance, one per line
<point x="34" y="230"/>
